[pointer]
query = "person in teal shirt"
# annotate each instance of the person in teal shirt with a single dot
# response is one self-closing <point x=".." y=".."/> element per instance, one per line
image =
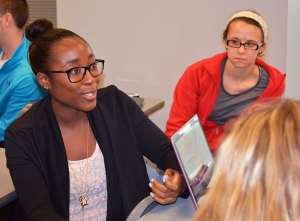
<point x="18" y="84"/>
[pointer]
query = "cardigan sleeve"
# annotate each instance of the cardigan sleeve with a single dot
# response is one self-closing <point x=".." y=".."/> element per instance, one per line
<point x="27" y="178"/>
<point x="154" y="144"/>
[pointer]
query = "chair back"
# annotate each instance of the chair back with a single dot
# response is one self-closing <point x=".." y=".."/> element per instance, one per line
<point x="26" y="108"/>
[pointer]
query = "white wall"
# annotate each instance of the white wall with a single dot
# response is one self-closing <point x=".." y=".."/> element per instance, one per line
<point x="147" y="44"/>
<point x="293" y="50"/>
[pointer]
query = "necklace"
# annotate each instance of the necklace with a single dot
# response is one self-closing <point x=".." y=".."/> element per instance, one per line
<point x="82" y="199"/>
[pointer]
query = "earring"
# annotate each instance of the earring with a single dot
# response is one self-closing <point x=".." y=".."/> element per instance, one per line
<point x="46" y="88"/>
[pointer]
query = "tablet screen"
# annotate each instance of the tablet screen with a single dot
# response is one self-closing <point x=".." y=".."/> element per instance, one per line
<point x="195" y="157"/>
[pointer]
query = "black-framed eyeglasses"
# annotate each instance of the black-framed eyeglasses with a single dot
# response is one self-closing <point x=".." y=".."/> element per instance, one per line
<point x="77" y="74"/>
<point x="247" y="45"/>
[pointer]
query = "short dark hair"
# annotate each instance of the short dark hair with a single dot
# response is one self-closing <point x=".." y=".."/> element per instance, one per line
<point x="18" y="9"/>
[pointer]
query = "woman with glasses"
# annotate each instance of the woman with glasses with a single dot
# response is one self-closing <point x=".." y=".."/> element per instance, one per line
<point x="220" y="87"/>
<point x="78" y="153"/>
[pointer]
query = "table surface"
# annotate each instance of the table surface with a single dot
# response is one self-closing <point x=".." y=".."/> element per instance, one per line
<point x="151" y="105"/>
<point x="182" y="209"/>
<point x="7" y="190"/>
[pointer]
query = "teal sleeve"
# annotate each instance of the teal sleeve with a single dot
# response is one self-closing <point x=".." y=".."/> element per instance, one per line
<point x="23" y="91"/>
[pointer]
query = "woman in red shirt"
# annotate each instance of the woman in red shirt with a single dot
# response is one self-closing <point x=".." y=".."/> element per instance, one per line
<point x="219" y="88"/>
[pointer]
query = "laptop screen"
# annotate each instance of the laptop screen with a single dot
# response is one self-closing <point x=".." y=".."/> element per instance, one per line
<point x="194" y="157"/>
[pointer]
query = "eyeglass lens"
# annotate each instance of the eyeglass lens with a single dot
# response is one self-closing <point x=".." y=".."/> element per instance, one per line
<point x="77" y="74"/>
<point x="237" y="44"/>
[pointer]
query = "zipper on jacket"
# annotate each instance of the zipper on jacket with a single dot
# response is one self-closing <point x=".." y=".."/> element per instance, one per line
<point x="217" y="131"/>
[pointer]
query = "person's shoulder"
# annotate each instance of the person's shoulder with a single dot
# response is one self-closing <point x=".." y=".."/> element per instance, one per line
<point x="215" y="58"/>
<point x="20" y="131"/>
<point x="21" y="52"/>
<point x="23" y="78"/>
<point x="24" y="71"/>
<point x="207" y="66"/>
<point x="112" y="93"/>
<point x="22" y="123"/>
<point x="19" y="67"/>
<point x="270" y="69"/>
<point x="29" y="114"/>
<point x="107" y="91"/>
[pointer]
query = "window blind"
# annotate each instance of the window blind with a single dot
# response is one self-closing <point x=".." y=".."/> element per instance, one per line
<point x="42" y="9"/>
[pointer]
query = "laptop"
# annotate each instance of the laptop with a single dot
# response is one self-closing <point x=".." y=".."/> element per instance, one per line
<point x="194" y="157"/>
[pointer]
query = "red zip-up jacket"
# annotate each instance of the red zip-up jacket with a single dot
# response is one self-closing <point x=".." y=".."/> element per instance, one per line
<point x="197" y="91"/>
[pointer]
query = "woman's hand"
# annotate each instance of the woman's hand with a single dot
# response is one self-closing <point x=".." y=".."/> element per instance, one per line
<point x="169" y="191"/>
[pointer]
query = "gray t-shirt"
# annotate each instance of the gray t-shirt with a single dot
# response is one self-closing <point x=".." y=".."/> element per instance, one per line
<point x="229" y="106"/>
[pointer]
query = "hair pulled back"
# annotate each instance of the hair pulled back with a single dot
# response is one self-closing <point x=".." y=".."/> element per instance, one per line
<point x="44" y="36"/>
<point x="249" y="21"/>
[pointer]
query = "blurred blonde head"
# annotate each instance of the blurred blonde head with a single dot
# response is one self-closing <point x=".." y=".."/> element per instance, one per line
<point x="257" y="173"/>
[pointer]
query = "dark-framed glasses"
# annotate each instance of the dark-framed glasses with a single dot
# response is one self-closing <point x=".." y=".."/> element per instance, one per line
<point x="76" y="74"/>
<point x="247" y="45"/>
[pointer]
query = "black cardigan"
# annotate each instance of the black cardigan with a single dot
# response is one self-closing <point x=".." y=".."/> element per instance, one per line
<point x="37" y="159"/>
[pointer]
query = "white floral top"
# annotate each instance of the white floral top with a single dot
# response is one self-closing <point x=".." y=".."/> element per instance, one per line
<point x="96" y="191"/>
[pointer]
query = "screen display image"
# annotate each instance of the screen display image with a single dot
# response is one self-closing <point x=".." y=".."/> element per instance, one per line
<point x="194" y="156"/>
